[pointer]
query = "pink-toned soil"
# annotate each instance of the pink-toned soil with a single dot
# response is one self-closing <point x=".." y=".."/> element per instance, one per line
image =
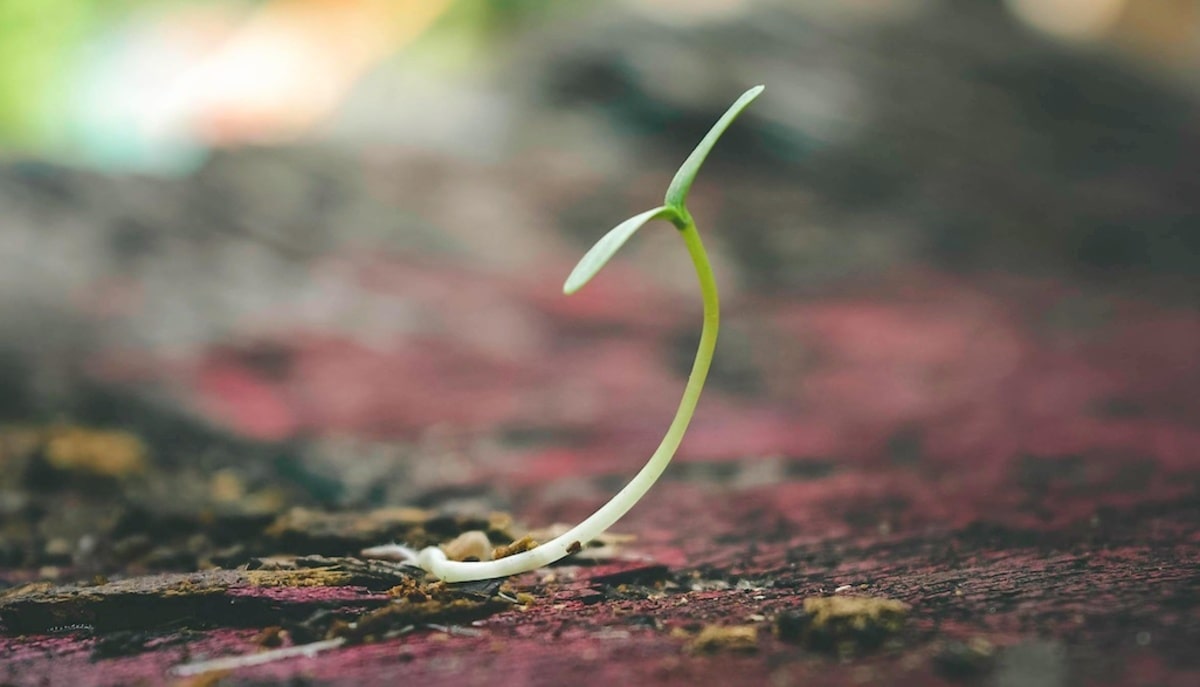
<point x="1015" y="459"/>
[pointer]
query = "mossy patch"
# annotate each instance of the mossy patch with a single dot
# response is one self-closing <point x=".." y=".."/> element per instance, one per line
<point x="843" y="624"/>
<point x="724" y="638"/>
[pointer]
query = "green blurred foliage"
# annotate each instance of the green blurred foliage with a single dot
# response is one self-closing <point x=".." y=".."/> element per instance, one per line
<point x="490" y="19"/>
<point x="36" y="40"/>
<point x="39" y="40"/>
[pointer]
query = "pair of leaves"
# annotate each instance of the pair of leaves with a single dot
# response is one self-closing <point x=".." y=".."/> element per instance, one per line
<point x="672" y="208"/>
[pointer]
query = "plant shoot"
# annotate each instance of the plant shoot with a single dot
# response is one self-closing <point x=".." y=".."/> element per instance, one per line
<point x="674" y="210"/>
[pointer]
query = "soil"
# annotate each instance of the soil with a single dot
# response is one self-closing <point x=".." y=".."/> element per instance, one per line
<point x="976" y="534"/>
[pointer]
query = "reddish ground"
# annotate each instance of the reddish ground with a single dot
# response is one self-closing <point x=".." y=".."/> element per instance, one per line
<point x="1017" y="461"/>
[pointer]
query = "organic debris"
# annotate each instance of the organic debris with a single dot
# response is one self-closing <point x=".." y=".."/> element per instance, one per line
<point x="105" y="453"/>
<point x="608" y="546"/>
<point x="965" y="660"/>
<point x="469" y="546"/>
<point x="843" y="624"/>
<point x="278" y="591"/>
<point x="307" y="530"/>
<point x="416" y="604"/>
<point x="716" y="638"/>
<point x="519" y="546"/>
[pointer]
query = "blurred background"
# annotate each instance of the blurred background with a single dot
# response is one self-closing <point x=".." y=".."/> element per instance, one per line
<point x="311" y="251"/>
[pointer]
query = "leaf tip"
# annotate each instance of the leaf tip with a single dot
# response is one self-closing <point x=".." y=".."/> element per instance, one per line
<point x="677" y="192"/>
<point x="599" y="254"/>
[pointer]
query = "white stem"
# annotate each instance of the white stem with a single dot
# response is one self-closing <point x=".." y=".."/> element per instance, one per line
<point x="434" y="560"/>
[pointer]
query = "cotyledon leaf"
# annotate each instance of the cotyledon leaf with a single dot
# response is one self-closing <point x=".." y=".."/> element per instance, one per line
<point x="682" y="183"/>
<point x="599" y="254"/>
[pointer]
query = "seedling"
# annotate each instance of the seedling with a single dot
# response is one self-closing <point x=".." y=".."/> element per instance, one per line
<point x="674" y="210"/>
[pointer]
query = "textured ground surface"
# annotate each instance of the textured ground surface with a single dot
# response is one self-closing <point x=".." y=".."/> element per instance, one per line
<point x="1014" y="461"/>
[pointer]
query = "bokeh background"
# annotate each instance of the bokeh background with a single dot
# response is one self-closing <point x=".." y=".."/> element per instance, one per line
<point x="959" y="239"/>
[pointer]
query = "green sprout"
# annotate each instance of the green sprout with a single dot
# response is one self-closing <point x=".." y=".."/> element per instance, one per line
<point x="674" y="210"/>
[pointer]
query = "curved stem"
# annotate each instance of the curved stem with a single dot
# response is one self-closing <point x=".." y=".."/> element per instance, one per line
<point x="435" y="561"/>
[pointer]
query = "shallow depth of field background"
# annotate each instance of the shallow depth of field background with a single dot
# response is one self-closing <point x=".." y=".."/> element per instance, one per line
<point x="968" y="231"/>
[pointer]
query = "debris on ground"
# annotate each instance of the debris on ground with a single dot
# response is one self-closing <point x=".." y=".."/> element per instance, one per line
<point x="842" y="624"/>
<point x="717" y="638"/>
